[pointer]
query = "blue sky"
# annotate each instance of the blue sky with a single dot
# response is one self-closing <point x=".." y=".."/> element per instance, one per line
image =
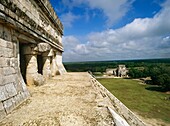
<point x="96" y="30"/>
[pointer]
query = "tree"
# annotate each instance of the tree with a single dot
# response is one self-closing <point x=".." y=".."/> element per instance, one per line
<point x="135" y="73"/>
<point x="160" y="75"/>
<point x="164" y="81"/>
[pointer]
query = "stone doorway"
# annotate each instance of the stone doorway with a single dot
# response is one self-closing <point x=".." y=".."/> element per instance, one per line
<point x="23" y="64"/>
<point x="40" y="64"/>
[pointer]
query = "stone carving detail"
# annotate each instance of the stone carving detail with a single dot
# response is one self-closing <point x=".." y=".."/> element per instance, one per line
<point x="43" y="47"/>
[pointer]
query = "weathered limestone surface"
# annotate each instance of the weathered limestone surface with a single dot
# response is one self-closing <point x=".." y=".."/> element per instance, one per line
<point x="68" y="100"/>
<point x="29" y="29"/>
<point x="12" y="87"/>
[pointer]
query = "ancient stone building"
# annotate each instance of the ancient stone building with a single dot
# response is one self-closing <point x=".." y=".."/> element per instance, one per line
<point x="120" y="71"/>
<point x="30" y="49"/>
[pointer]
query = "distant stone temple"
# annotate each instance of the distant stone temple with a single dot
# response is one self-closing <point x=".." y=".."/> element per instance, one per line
<point x="30" y="49"/>
<point x="121" y="71"/>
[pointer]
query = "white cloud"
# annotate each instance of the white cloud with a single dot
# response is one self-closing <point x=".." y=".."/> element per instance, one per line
<point x="68" y="18"/>
<point x="113" y="10"/>
<point x="142" y="38"/>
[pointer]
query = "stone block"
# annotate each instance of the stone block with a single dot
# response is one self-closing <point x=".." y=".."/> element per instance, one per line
<point x="21" y="82"/>
<point x="18" y="99"/>
<point x="23" y="96"/>
<point x="9" y="79"/>
<point x="8" y="53"/>
<point x="13" y="62"/>
<point x="9" y="45"/>
<point x="1" y="77"/>
<point x="11" y="90"/>
<point x="8" y="105"/>
<point x="6" y="34"/>
<point x="18" y="87"/>
<point x="3" y="43"/>
<point x="2" y="52"/>
<point x="8" y="71"/>
<point x="15" y="98"/>
<point x="2" y="111"/>
<point x="39" y="80"/>
<point x="3" y="93"/>
<point x="4" y="62"/>
<point x="14" y="103"/>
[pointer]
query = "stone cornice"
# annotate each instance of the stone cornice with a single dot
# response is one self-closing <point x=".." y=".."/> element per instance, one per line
<point x="49" y="11"/>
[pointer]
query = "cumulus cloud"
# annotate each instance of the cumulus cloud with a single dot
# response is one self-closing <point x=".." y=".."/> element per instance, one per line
<point x="142" y="38"/>
<point x="112" y="9"/>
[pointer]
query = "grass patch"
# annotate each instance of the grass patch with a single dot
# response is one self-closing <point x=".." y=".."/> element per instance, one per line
<point x="137" y="97"/>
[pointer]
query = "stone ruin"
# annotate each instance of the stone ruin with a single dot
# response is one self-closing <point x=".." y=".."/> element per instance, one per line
<point x="31" y="52"/>
<point x="30" y="49"/>
<point x="120" y="71"/>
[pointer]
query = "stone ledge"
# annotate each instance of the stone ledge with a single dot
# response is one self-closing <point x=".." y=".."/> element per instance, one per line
<point x="126" y="113"/>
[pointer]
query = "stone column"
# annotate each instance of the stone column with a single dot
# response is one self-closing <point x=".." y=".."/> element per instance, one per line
<point x="54" y="69"/>
<point x="58" y="60"/>
<point x="31" y="68"/>
<point x="31" y="63"/>
<point x="46" y="51"/>
<point x="47" y="65"/>
<point x="54" y="66"/>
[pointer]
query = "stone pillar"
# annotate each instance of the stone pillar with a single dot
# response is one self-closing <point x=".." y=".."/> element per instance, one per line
<point x="47" y="53"/>
<point x="58" y="60"/>
<point x="47" y="65"/>
<point x="31" y="63"/>
<point x="31" y="68"/>
<point x="54" y="68"/>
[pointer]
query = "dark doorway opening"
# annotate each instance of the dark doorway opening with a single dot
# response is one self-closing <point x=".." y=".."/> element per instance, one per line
<point x="40" y="64"/>
<point x="22" y="61"/>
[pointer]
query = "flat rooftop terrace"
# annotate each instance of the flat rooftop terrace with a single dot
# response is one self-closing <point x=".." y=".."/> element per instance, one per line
<point x="67" y="100"/>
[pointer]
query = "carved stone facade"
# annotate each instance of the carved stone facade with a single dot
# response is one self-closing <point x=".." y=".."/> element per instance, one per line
<point x="30" y="49"/>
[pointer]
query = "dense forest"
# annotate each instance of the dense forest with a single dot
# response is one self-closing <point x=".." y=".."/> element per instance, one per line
<point x="157" y="69"/>
<point x="101" y="66"/>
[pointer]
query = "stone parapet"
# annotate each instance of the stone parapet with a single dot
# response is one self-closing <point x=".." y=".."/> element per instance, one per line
<point x="117" y="105"/>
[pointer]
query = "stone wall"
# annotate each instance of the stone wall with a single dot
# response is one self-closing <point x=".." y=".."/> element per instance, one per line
<point x="30" y="49"/>
<point x="117" y="105"/>
<point x="13" y="90"/>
